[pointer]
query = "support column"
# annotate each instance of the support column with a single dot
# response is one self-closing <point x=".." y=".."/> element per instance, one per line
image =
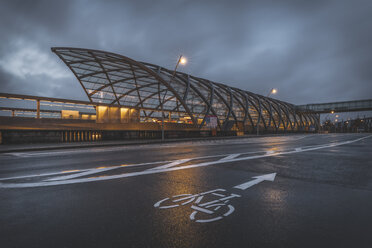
<point x="319" y="125"/>
<point x="38" y="109"/>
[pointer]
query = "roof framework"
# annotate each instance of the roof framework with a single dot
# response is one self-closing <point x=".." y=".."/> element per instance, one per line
<point x="110" y="78"/>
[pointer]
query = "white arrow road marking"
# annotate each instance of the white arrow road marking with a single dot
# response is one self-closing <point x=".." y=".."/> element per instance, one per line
<point x="174" y="163"/>
<point x="147" y="172"/>
<point x="258" y="179"/>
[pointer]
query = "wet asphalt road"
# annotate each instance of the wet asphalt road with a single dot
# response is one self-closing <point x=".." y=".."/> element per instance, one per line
<point x="321" y="195"/>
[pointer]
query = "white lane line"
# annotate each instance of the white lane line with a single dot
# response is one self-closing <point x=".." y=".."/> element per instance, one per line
<point x="174" y="163"/>
<point x="17" y="154"/>
<point x="232" y="156"/>
<point x="85" y="173"/>
<point x="73" y="171"/>
<point x="42" y="175"/>
<point x="305" y="136"/>
<point x="102" y="169"/>
<point x="119" y="166"/>
<point x="148" y="172"/>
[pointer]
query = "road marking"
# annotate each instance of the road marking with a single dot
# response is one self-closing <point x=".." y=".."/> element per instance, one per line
<point x="72" y="171"/>
<point x="85" y="173"/>
<point x="258" y="179"/>
<point x="174" y="163"/>
<point x="232" y="156"/>
<point x="39" y="175"/>
<point x="150" y="146"/>
<point x="210" y="207"/>
<point x="148" y="172"/>
<point x="202" y="209"/>
<point x="119" y="166"/>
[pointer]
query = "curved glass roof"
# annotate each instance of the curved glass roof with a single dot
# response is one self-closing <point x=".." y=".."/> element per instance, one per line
<point x="115" y="79"/>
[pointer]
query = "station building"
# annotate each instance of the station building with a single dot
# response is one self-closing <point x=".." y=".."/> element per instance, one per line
<point x="130" y="95"/>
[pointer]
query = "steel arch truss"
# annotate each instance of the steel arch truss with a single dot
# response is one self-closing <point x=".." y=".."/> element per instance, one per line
<point x="118" y="80"/>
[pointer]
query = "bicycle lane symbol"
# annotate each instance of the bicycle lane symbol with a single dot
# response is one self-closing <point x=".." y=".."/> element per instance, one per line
<point x="211" y="205"/>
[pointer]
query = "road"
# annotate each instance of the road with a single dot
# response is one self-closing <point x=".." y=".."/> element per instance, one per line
<point x="281" y="191"/>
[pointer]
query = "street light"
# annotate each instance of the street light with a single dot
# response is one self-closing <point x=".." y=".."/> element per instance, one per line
<point x="272" y="91"/>
<point x="181" y="60"/>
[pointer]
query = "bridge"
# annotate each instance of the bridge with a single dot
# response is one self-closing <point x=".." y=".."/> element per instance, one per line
<point x="332" y="107"/>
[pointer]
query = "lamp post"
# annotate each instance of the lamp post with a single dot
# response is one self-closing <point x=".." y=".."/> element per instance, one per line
<point x="181" y="60"/>
<point x="272" y="91"/>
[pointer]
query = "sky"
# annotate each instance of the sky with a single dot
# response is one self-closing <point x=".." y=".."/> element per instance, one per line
<point x="311" y="51"/>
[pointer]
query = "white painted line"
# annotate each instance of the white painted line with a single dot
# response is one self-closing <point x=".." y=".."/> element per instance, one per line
<point x="199" y="199"/>
<point x="40" y="175"/>
<point x="148" y="172"/>
<point x="202" y="209"/>
<point x="85" y="173"/>
<point x="232" y="156"/>
<point x="74" y="171"/>
<point x="174" y="163"/>
<point x="150" y="146"/>
<point x="220" y="195"/>
<point x="305" y="136"/>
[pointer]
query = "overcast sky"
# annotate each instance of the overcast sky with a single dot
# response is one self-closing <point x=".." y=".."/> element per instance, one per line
<point x="311" y="51"/>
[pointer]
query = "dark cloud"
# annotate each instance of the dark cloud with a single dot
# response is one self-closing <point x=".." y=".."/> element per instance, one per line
<point x="312" y="51"/>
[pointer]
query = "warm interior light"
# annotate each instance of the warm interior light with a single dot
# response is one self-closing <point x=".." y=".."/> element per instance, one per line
<point x="274" y="91"/>
<point x="183" y="60"/>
